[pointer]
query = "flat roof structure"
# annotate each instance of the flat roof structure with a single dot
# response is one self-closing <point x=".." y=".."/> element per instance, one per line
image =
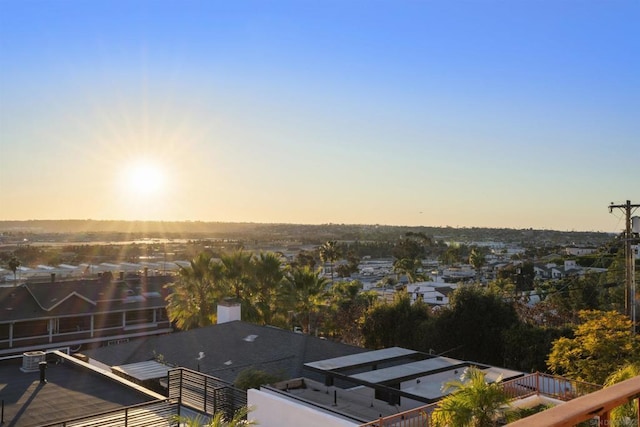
<point x="71" y="390"/>
<point x="369" y="358"/>
<point x="396" y="373"/>
<point x="143" y="371"/>
<point x="407" y="371"/>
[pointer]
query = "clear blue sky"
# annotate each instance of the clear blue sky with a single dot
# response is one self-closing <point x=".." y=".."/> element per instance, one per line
<point x="461" y="113"/>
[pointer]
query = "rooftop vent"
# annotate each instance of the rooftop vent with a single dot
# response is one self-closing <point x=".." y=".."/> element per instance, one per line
<point x="31" y="360"/>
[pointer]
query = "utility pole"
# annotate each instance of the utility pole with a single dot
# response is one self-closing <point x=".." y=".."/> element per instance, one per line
<point x="629" y="288"/>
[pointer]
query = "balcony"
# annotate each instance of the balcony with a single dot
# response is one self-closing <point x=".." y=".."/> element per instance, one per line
<point x="552" y="388"/>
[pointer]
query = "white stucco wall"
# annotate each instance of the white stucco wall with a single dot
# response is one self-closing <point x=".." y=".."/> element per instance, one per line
<point x="271" y="410"/>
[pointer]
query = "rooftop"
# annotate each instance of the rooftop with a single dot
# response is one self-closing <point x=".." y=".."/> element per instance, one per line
<point x="224" y="350"/>
<point x="71" y="390"/>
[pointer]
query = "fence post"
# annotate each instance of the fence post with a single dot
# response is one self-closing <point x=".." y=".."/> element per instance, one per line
<point x="205" y="394"/>
<point x="126" y="417"/>
<point x="180" y="393"/>
<point x="215" y="400"/>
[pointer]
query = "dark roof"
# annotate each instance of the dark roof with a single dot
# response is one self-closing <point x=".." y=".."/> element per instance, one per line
<point x="228" y="349"/>
<point x="445" y="290"/>
<point x="70" y="391"/>
<point x="77" y="297"/>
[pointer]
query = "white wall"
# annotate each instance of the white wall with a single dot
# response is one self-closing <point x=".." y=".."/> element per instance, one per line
<point x="271" y="410"/>
<point x="228" y="313"/>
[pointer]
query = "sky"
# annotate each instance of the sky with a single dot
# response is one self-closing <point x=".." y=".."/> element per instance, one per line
<point x="461" y="113"/>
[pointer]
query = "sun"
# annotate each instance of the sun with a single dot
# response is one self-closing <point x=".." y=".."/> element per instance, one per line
<point x="144" y="178"/>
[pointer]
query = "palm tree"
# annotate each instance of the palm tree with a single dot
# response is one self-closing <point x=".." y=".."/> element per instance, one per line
<point x="219" y="420"/>
<point x="472" y="403"/>
<point x="268" y="276"/>
<point x="13" y="265"/>
<point x="410" y="268"/>
<point x="306" y="292"/>
<point x="477" y="261"/>
<point x="329" y="252"/>
<point x="237" y="269"/>
<point x="627" y="414"/>
<point x="238" y="274"/>
<point x="193" y="297"/>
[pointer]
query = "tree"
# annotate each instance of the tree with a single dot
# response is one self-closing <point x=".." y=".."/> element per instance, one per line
<point x="352" y="265"/>
<point x="254" y="378"/>
<point x="527" y="346"/>
<point x="268" y="276"/>
<point x="13" y="265"/>
<point x="239" y="276"/>
<point x="304" y="259"/>
<point x="409" y="267"/>
<point x="627" y="414"/>
<point x="348" y="305"/>
<point x="194" y="293"/>
<point x="306" y="291"/>
<point x="472" y="403"/>
<point x="237" y="270"/>
<point x="473" y="327"/>
<point x="454" y="254"/>
<point x="396" y="324"/>
<point x="329" y="252"/>
<point x="219" y="420"/>
<point x="408" y="253"/>
<point x="602" y="344"/>
<point x="477" y="261"/>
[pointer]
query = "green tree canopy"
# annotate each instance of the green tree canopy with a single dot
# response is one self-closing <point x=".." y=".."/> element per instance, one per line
<point x="239" y="419"/>
<point x="329" y="253"/>
<point x="472" y="403"/>
<point x="13" y="265"/>
<point x="269" y="279"/>
<point x="254" y="378"/>
<point x="195" y="293"/>
<point x="602" y="343"/>
<point x="627" y="414"/>
<point x="305" y="291"/>
<point x="473" y="327"/>
<point x="395" y="324"/>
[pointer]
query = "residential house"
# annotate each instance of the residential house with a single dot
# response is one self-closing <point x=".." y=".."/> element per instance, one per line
<point x="81" y="313"/>
<point x="431" y="293"/>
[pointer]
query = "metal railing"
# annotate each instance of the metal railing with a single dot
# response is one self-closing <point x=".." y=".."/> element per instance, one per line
<point x="534" y="384"/>
<point x="552" y="386"/>
<point x="418" y="417"/>
<point x="204" y="393"/>
<point x="150" y="414"/>
<point x="187" y="388"/>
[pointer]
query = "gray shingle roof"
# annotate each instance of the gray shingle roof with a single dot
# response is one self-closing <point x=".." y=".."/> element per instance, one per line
<point x="228" y="351"/>
<point x="77" y="297"/>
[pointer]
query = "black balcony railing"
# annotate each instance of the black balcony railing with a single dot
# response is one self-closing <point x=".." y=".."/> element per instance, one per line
<point x="204" y="393"/>
<point x="187" y="389"/>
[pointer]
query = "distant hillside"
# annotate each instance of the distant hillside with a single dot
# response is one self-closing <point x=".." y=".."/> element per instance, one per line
<point x="127" y="230"/>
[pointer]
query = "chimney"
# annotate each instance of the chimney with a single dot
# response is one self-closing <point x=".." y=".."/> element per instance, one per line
<point x="229" y="310"/>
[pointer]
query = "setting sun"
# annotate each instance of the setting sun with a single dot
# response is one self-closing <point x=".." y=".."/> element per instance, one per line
<point x="144" y="178"/>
